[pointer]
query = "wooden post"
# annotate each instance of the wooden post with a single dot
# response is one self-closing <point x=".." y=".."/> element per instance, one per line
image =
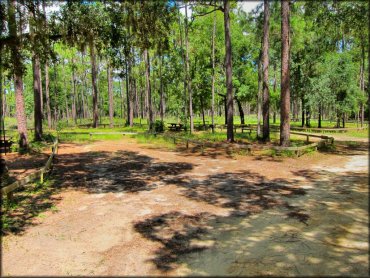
<point x="9" y="195"/>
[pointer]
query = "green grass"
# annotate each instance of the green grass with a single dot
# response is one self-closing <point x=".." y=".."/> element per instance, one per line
<point x="68" y="132"/>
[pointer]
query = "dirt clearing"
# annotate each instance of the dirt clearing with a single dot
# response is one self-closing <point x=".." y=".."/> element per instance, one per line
<point x="124" y="209"/>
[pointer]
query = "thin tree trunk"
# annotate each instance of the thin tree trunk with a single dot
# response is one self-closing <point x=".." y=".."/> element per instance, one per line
<point x="65" y="94"/>
<point x="94" y="84"/>
<point x="141" y="105"/>
<point x="265" y="64"/>
<point x="184" y="63"/>
<point x="274" y="88"/>
<point x="56" y="98"/>
<point x="36" y="69"/>
<point x="121" y="96"/>
<point x="127" y="91"/>
<point x="46" y="69"/>
<point x="241" y="112"/>
<point x="308" y="116"/>
<point x="362" y="84"/>
<point x="136" y="112"/>
<point x="285" y="79"/>
<point x="213" y="73"/>
<point x="259" y="97"/>
<point x="344" y="120"/>
<point x="37" y="99"/>
<point x="228" y="64"/>
<point x="148" y="90"/>
<point x="21" y="114"/>
<point x="73" y="96"/>
<point x="41" y="93"/>
<point x="202" y="111"/>
<point x="188" y="78"/>
<point x="110" y="95"/>
<point x="131" y="101"/>
<point x="161" y="110"/>
<point x="320" y="115"/>
<point x="47" y="95"/>
<point x="303" y="112"/>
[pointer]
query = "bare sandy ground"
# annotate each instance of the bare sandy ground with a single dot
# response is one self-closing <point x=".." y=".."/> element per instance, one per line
<point x="123" y="209"/>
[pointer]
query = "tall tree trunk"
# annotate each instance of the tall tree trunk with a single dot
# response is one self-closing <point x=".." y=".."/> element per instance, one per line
<point x="303" y="111"/>
<point x="121" y="96"/>
<point x="94" y="84"/>
<point x="274" y="88"/>
<point x="228" y="64"/>
<point x="21" y="113"/>
<point x="259" y="97"/>
<point x="202" y="110"/>
<point x="141" y="105"/>
<point x="188" y="78"/>
<point x="73" y="95"/>
<point x="285" y="79"/>
<point x="308" y="116"/>
<point x="241" y="112"/>
<point x="213" y="73"/>
<point x="131" y="100"/>
<point x="46" y="72"/>
<point x="41" y="92"/>
<point x="110" y="95"/>
<point x="47" y="95"/>
<point x="184" y="63"/>
<point x="344" y="120"/>
<point x="161" y="110"/>
<point x="36" y="96"/>
<point x="362" y="83"/>
<point x="128" y="120"/>
<point x="65" y="94"/>
<point x="148" y="90"/>
<point x="265" y="64"/>
<point x="55" y="97"/>
<point x="136" y="111"/>
<point x="320" y="116"/>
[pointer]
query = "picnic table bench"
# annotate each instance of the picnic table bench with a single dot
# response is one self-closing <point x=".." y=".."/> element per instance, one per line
<point x="308" y="135"/>
<point x="6" y="143"/>
<point x="176" y="127"/>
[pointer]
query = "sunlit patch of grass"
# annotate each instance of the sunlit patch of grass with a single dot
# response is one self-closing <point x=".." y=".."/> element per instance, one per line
<point x="155" y="141"/>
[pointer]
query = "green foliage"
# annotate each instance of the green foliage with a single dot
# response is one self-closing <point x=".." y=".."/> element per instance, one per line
<point x="159" y="126"/>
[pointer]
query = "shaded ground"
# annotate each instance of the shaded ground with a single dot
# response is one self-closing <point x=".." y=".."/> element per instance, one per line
<point x="20" y="166"/>
<point x="122" y="209"/>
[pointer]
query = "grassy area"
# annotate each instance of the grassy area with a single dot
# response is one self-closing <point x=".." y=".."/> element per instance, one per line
<point x="74" y="133"/>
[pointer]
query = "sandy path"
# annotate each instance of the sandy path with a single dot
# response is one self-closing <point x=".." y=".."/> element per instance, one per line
<point x="129" y="210"/>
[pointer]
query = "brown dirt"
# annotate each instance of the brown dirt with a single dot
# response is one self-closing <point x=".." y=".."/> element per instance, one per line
<point x="125" y="209"/>
<point x="20" y="166"/>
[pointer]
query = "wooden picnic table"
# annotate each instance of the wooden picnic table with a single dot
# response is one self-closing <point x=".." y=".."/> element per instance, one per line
<point x="6" y="143"/>
<point x="175" y="126"/>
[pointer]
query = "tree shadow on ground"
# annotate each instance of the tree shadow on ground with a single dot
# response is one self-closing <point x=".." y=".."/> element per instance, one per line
<point x="121" y="171"/>
<point x="299" y="232"/>
<point x="177" y="233"/>
<point x="242" y="193"/>
<point x="94" y="172"/>
<point x="20" y="164"/>
<point x="28" y="203"/>
<point x="347" y="148"/>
